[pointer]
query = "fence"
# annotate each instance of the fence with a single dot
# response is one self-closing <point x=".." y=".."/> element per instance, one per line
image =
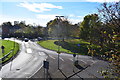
<point x="3" y="58"/>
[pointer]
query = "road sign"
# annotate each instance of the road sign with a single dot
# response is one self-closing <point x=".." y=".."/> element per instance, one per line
<point x="2" y="47"/>
<point x="74" y="55"/>
<point x="78" y="44"/>
<point x="46" y="64"/>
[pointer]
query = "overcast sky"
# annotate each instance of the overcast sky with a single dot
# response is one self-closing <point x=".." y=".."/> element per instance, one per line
<point x="39" y="12"/>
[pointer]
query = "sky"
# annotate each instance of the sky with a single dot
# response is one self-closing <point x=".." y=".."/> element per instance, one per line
<point x="37" y="12"/>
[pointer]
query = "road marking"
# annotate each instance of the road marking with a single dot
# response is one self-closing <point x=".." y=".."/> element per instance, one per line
<point x="93" y="62"/>
<point x="41" y="53"/>
<point x="52" y="57"/>
<point x="71" y="59"/>
<point x="83" y="61"/>
<point x="27" y="73"/>
<point x="61" y="59"/>
<point x="34" y="44"/>
<point x="36" y="70"/>
<point x="29" y="50"/>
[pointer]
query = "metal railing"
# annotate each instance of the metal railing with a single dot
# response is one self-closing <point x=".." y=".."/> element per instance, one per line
<point x="3" y="58"/>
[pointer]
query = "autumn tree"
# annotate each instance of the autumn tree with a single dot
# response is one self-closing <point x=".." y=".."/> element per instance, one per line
<point x="104" y="30"/>
<point x="110" y="15"/>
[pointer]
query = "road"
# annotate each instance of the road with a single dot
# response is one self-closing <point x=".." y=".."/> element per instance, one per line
<point x="67" y="69"/>
<point x="29" y="64"/>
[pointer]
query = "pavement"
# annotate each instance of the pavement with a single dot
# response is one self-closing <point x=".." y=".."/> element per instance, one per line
<point x="30" y="64"/>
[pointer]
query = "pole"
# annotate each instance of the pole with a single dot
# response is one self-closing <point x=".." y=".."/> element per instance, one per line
<point x="11" y="66"/>
<point x="44" y="73"/>
<point x="46" y="67"/>
<point x="78" y="48"/>
<point x="58" y="60"/>
<point x="77" y="56"/>
<point x="73" y="63"/>
<point x="58" y="18"/>
<point x="58" y="53"/>
<point x="47" y="74"/>
<point x="12" y="53"/>
<point x="74" y="55"/>
<point x="58" y="39"/>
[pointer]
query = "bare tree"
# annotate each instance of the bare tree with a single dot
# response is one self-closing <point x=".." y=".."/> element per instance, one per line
<point x="110" y="14"/>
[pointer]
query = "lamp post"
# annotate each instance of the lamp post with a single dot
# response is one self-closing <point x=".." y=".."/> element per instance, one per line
<point x="58" y="22"/>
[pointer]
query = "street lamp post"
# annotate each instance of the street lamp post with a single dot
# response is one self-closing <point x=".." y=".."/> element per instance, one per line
<point x="58" y="18"/>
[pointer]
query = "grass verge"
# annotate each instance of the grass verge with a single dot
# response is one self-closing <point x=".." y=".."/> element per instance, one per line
<point x="9" y="45"/>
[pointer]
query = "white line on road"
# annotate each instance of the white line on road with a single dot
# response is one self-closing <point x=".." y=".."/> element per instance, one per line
<point x="52" y="57"/>
<point x="41" y="53"/>
<point x="71" y="59"/>
<point x="61" y="59"/>
<point x="93" y="62"/>
<point x="26" y="73"/>
<point x="36" y="71"/>
<point x="83" y="61"/>
<point x="34" y="44"/>
<point x="29" y="50"/>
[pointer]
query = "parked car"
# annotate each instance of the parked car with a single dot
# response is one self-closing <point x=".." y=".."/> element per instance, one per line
<point x="32" y="40"/>
<point x="26" y="39"/>
<point x="39" y="38"/>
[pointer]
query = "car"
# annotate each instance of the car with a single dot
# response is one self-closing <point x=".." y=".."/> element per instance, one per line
<point x="39" y="38"/>
<point x="26" y="39"/>
<point x="32" y="40"/>
<point x="2" y="37"/>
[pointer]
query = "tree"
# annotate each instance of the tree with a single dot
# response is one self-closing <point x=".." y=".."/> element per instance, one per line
<point x="6" y="26"/>
<point x="52" y="28"/>
<point x="75" y="30"/>
<point x="65" y="29"/>
<point x="110" y="15"/>
<point x="105" y="32"/>
<point x="62" y="28"/>
<point x="89" y="28"/>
